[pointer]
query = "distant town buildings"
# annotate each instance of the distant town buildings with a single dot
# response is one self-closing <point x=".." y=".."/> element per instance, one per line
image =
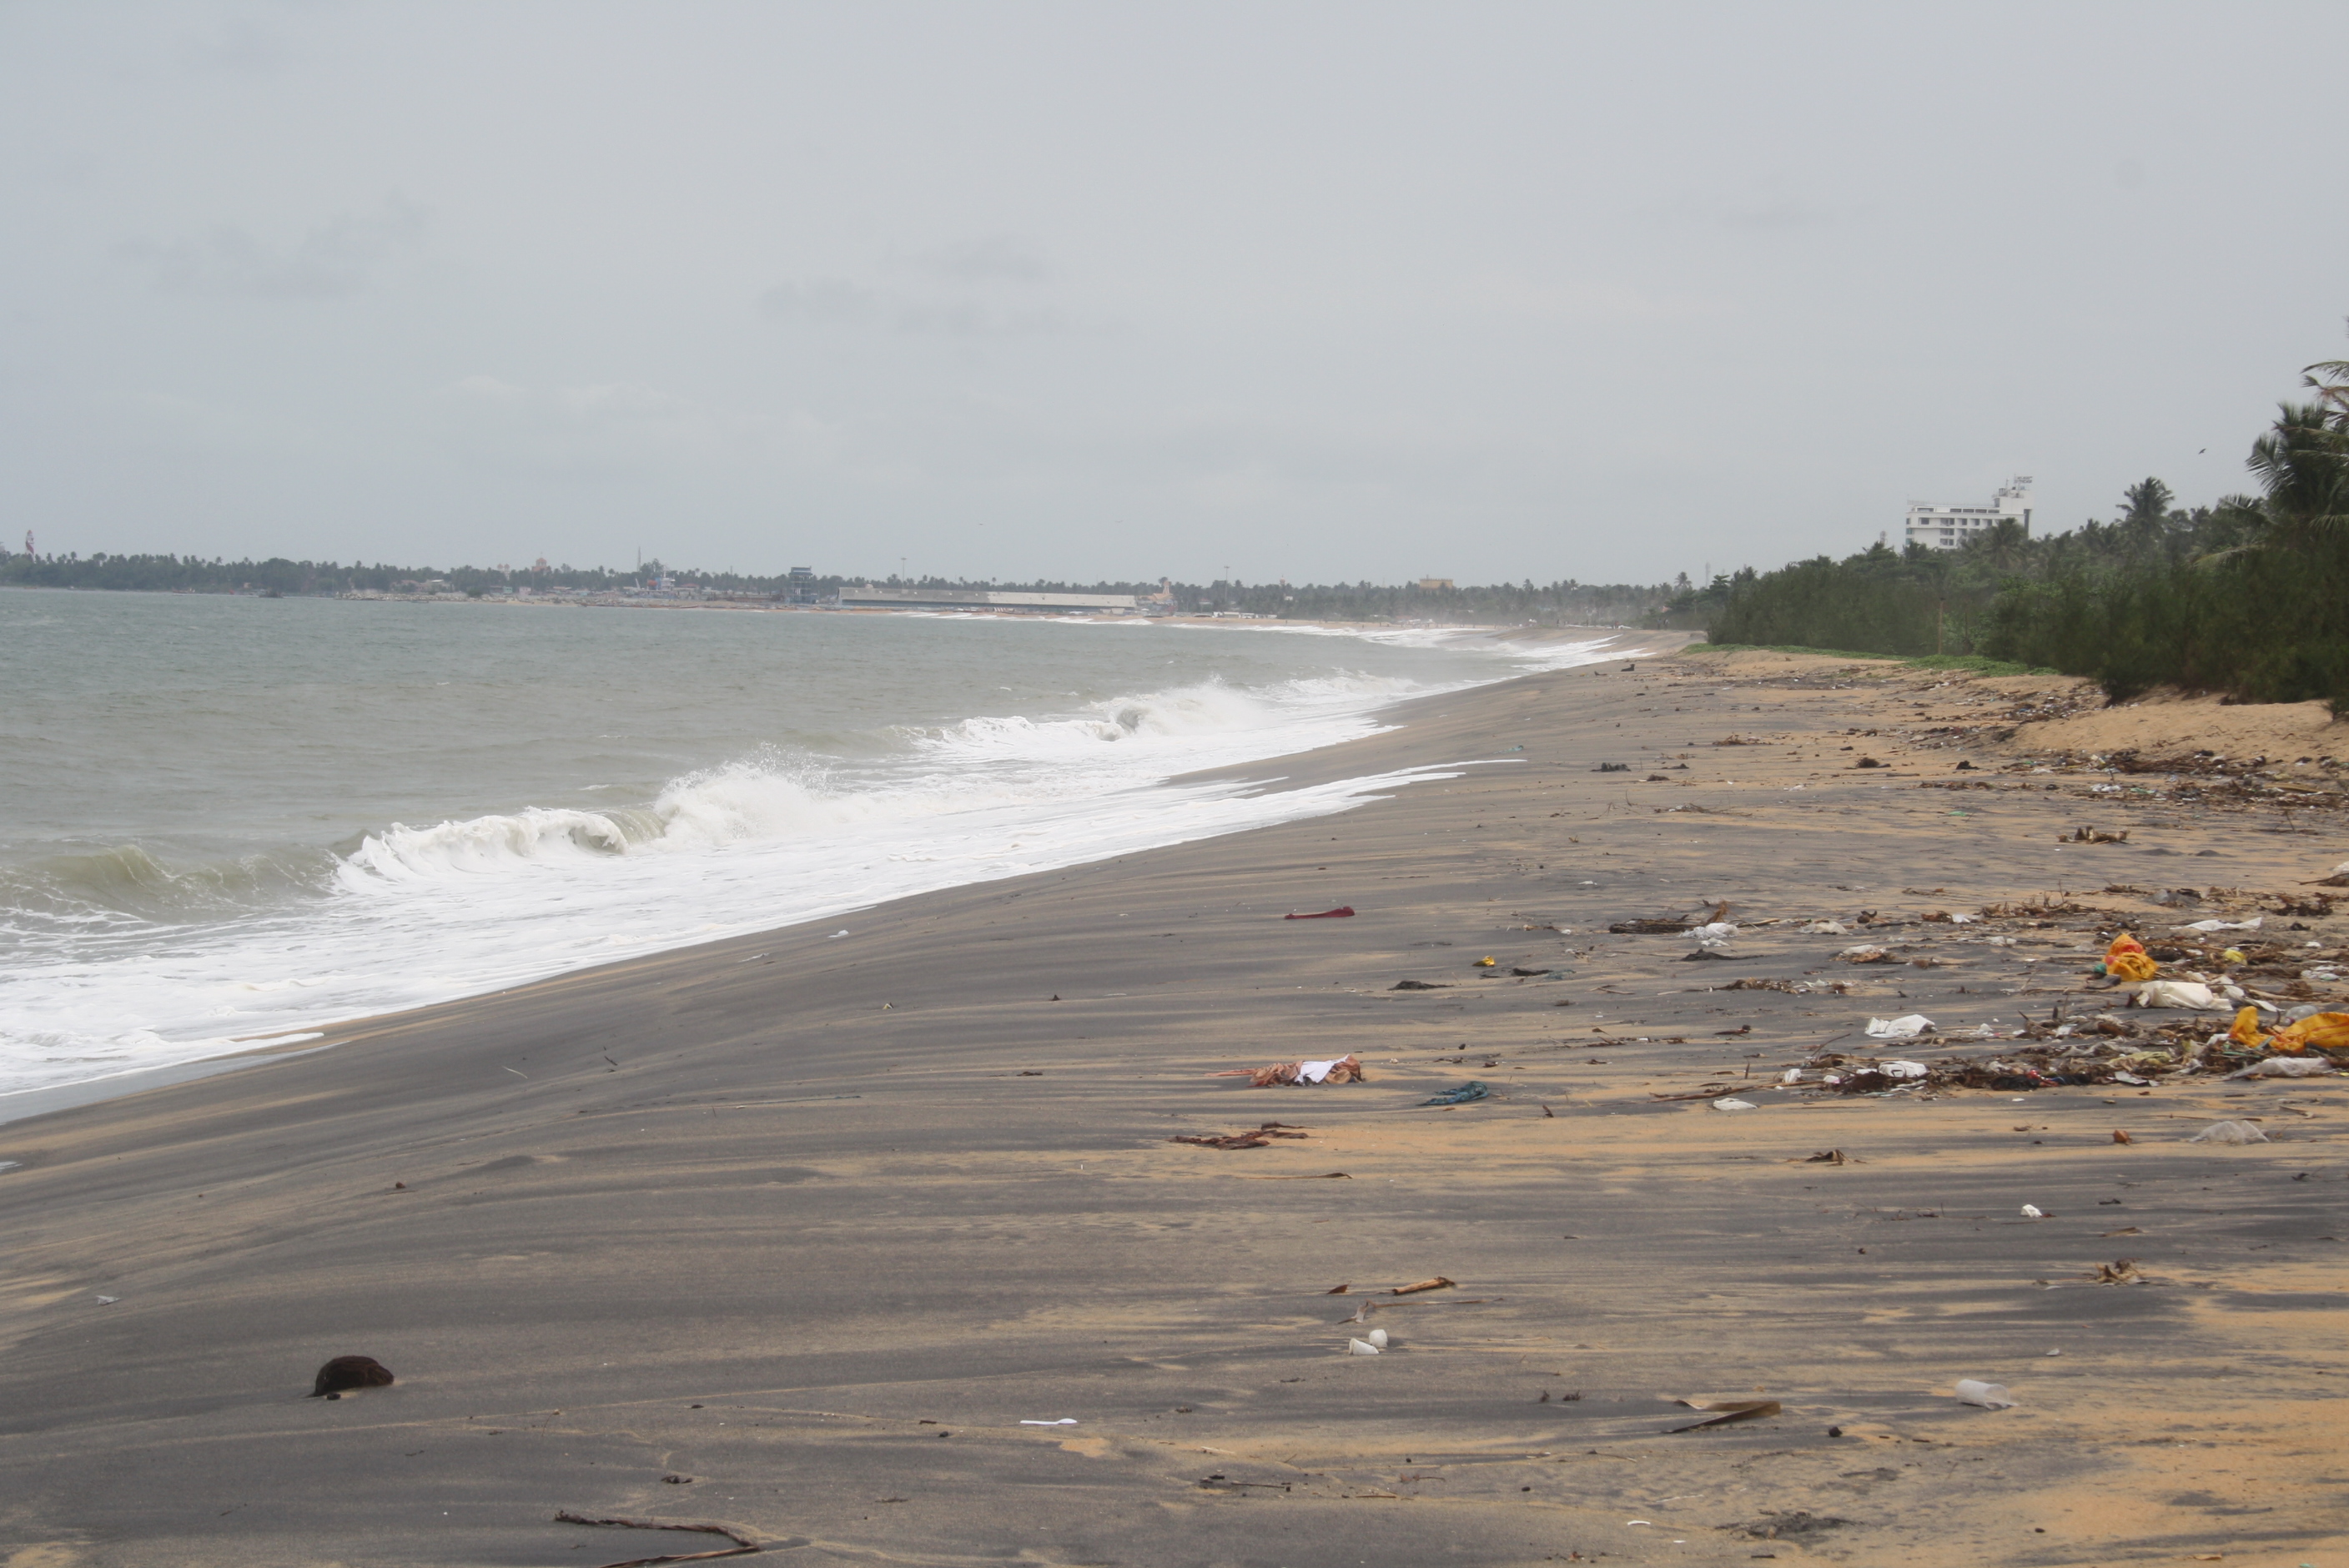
<point x="871" y="598"/>
<point x="1433" y="584"/>
<point x="1947" y="527"/>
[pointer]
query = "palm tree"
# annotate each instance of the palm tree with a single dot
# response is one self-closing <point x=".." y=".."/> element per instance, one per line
<point x="2336" y="390"/>
<point x="2006" y="543"/>
<point x="2303" y="464"/>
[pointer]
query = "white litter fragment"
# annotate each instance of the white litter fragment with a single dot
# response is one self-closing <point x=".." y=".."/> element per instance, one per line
<point x="108" y="1300"/>
<point x="837" y="934"/>
<point x="1989" y="1396"/>
<point x="2285" y="1066"/>
<point x="1734" y="1105"/>
<point x="1063" y="1421"/>
<point x="1827" y="928"/>
<point x="2033" y="1212"/>
<point x="1903" y="1070"/>
<point x="1361" y="1348"/>
<point x="1963" y="919"/>
<point x="1792" y="1075"/>
<point x="1714" y="937"/>
<point x="1377" y="1336"/>
<point x="2187" y="994"/>
<point x="1314" y="1072"/>
<point x="1907" y="1027"/>
<point x="2229" y="1132"/>
<point x="2250" y="925"/>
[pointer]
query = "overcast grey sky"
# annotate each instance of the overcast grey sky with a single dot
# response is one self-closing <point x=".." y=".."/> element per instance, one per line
<point x="1082" y="289"/>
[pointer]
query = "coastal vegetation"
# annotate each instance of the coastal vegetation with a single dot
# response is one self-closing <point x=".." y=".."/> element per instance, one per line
<point x="2248" y="597"/>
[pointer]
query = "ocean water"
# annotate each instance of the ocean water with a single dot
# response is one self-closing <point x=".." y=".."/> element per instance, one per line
<point x="234" y="818"/>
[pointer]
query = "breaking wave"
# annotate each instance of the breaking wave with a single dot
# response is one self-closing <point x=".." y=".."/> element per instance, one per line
<point x="123" y="958"/>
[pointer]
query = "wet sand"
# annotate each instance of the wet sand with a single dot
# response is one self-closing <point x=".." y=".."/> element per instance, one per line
<point x="814" y="1224"/>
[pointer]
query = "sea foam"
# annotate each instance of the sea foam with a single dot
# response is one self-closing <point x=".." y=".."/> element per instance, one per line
<point x="423" y="912"/>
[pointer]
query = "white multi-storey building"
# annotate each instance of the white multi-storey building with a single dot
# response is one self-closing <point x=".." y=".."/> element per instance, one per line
<point x="1947" y="527"/>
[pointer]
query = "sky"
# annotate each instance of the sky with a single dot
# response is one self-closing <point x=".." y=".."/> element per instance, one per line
<point x="1323" y="291"/>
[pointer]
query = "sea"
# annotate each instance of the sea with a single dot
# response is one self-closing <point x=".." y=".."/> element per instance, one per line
<point x="229" y="821"/>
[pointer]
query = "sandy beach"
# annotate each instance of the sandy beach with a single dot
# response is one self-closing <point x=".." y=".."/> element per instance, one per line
<point x="793" y="1234"/>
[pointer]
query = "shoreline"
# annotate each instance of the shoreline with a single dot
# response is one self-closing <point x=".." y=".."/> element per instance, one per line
<point x="810" y="1225"/>
<point x="38" y="1100"/>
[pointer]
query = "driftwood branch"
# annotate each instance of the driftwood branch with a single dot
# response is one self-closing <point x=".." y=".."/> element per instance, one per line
<point x="742" y="1547"/>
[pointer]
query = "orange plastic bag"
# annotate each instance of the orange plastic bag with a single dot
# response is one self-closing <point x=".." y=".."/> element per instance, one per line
<point x="2126" y="959"/>
<point x="2247" y="1032"/>
<point x="2326" y="1032"/>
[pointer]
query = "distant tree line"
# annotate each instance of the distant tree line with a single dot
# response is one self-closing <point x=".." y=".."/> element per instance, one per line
<point x="1566" y="603"/>
<point x="2248" y="597"/>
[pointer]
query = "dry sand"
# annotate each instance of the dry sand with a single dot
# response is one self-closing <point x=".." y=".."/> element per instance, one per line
<point x="793" y="1233"/>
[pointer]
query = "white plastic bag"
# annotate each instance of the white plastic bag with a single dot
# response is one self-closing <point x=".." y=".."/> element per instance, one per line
<point x="1907" y="1026"/>
<point x="2285" y="1066"/>
<point x="1989" y="1396"/>
<point x="2229" y="1132"/>
<point x="2187" y="994"/>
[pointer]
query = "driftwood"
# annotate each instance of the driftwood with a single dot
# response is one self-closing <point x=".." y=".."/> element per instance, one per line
<point x="743" y="1545"/>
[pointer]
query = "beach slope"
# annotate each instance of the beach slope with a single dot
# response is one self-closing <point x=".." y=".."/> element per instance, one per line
<point x="798" y="1234"/>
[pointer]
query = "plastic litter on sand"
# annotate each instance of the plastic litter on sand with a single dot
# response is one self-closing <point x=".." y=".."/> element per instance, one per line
<point x="2229" y="1132"/>
<point x="1989" y="1396"/>
<point x="2187" y="994"/>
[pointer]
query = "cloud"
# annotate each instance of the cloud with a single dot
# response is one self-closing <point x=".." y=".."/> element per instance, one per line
<point x="1783" y="212"/>
<point x="838" y="302"/>
<point x="822" y="299"/>
<point x="332" y="261"/>
<point x="1583" y="301"/>
<point x="998" y="259"/>
<point x="970" y="318"/>
<point x="236" y="47"/>
<point x="616" y="427"/>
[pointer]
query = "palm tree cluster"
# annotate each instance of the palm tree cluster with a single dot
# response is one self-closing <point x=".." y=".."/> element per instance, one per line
<point x="2249" y="595"/>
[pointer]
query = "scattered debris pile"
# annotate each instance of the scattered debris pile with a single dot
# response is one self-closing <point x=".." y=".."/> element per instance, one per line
<point x="1340" y="1069"/>
<point x="1260" y="1138"/>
